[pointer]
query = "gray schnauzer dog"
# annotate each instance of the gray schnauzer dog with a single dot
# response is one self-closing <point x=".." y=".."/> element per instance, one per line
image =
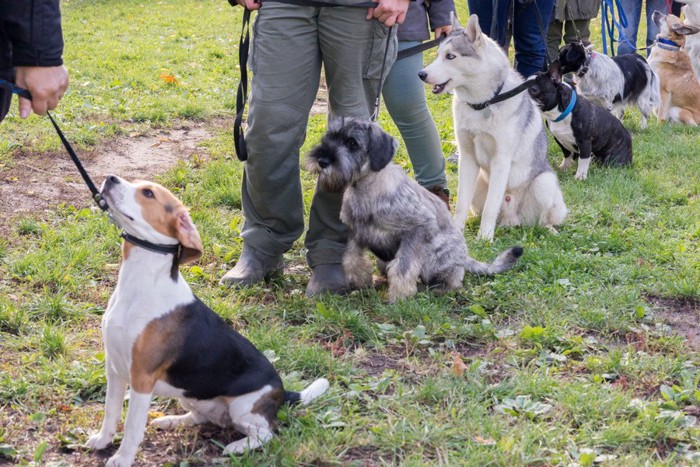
<point x="388" y="213"/>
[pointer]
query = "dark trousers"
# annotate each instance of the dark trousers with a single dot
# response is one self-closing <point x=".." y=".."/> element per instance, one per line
<point x="530" y="20"/>
<point x="5" y="95"/>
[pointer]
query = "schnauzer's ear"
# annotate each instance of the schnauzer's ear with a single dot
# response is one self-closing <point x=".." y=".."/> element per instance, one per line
<point x="381" y="148"/>
<point x="555" y="72"/>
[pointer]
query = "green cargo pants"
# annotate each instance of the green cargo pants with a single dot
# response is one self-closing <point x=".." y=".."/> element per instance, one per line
<point x="290" y="44"/>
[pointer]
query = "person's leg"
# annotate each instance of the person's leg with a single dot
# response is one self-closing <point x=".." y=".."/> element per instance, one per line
<point x="286" y="67"/>
<point x="5" y="95"/>
<point x="486" y="10"/>
<point x="554" y="34"/>
<point x="633" y="12"/>
<point x="583" y="28"/>
<point x="652" y="29"/>
<point x="344" y="37"/>
<point x="529" y="35"/>
<point x="404" y="96"/>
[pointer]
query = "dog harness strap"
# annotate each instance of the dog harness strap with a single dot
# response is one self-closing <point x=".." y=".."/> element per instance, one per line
<point x="569" y="107"/>
<point x="71" y="152"/>
<point x="154" y="247"/>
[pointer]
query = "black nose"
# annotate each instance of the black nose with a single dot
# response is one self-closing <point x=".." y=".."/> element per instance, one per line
<point x="422" y="75"/>
<point x="113" y="179"/>
<point x="323" y="162"/>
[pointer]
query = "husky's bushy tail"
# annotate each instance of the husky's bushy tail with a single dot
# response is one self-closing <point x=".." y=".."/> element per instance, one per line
<point x="503" y="262"/>
<point x="312" y="392"/>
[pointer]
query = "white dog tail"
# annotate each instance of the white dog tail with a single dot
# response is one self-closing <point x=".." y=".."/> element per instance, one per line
<point x="503" y="262"/>
<point x="312" y="392"/>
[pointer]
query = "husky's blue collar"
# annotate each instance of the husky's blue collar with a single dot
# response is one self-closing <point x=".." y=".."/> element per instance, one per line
<point x="569" y="107"/>
<point x="668" y="44"/>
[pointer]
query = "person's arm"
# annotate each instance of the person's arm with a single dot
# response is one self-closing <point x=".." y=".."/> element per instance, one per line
<point x="439" y="17"/>
<point x="34" y="30"/>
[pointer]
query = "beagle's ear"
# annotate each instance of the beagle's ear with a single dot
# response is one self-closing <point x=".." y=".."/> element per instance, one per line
<point x="381" y="148"/>
<point x="189" y="238"/>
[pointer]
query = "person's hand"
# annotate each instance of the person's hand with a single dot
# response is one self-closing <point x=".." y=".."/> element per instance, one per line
<point x="389" y="12"/>
<point x="249" y="4"/>
<point x="442" y="31"/>
<point x="46" y="84"/>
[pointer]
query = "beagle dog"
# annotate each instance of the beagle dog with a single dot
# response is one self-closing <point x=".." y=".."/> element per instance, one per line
<point x="161" y="340"/>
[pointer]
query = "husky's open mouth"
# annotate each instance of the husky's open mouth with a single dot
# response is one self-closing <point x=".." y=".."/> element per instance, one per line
<point x="438" y="88"/>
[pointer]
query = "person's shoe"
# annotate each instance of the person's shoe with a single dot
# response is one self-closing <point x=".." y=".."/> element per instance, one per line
<point x="253" y="266"/>
<point x="442" y="193"/>
<point x="327" y="278"/>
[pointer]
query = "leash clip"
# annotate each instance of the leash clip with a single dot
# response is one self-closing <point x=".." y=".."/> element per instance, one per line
<point x="101" y="202"/>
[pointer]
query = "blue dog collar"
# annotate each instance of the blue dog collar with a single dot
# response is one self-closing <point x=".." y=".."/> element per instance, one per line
<point x="569" y="107"/>
<point x="670" y="45"/>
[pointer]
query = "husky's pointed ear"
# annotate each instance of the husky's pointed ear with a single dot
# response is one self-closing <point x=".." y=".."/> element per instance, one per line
<point x="473" y="30"/>
<point x="455" y="22"/>
<point x="657" y="17"/>
<point x="381" y="147"/>
<point x="684" y="29"/>
<point x="555" y="72"/>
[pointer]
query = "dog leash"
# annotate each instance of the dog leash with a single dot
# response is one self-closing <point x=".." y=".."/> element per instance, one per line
<point x="101" y="203"/>
<point x="243" y="53"/>
<point x="498" y="97"/>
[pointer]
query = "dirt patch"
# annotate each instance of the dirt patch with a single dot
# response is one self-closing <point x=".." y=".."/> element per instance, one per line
<point x="363" y="455"/>
<point x="682" y="314"/>
<point x="37" y="183"/>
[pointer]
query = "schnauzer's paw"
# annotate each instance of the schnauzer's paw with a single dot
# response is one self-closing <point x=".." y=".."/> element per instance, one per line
<point x="99" y="441"/>
<point x="581" y="175"/>
<point x="118" y="460"/>
<point x="566" y="163"/>
<point x="396" y="294"/>
<point x="359" y="279"/>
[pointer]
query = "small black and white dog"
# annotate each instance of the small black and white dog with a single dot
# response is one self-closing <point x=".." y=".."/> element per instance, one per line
<point x="581" y="129"/>
<point x="614" y="83"/>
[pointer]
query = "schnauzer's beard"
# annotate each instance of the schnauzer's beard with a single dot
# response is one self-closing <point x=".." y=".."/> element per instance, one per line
<point x="335" y="177"/>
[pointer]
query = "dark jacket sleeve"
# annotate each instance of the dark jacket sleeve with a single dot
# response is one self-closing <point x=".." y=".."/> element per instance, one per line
<point x="33" y="28"/>
<point x="439" y="13"/>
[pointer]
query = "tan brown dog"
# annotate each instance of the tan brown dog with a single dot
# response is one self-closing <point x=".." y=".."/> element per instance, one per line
<point x="680" y="90"/>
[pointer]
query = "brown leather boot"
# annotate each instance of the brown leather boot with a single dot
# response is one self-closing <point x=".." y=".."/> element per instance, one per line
<point x="442" y="193"/>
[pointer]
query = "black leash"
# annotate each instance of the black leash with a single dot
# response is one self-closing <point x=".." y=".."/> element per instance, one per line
<point x="101" y="203"/>
<point x="243" y="52"/>
<point x="427" y="45"/>
<point x="502" y="97"/>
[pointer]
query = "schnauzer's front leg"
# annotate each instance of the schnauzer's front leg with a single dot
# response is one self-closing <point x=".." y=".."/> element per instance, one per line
<point x="357" y="267"/>
<point x="403" y="272"/>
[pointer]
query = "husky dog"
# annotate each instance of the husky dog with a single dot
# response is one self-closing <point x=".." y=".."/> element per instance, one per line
<point x="613" y="83"/>
<point x="691" y="11"/>
<point x="408" y="228"/>
<point x="504" y="173"/>
<point x="578" y="126"/>
<point x="680" y="90"/>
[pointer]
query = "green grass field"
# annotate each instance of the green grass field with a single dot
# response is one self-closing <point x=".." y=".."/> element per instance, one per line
<point x="585" y="352"/>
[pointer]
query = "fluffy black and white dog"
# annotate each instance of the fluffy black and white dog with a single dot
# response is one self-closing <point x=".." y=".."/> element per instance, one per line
<point x="581" y="129"/>
<point x="388" y="213"/>
<point x="614" y="83"/>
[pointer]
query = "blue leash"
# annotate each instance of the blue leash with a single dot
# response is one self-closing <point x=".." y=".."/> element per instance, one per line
<point x="609" y="23"/>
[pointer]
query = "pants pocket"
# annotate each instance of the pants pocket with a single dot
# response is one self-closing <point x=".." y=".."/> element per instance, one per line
<point x="374" y="59"/>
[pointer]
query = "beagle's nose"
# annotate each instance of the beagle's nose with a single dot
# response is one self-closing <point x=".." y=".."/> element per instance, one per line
<point x="113" y="179"/>
<point x="422" y="75"/>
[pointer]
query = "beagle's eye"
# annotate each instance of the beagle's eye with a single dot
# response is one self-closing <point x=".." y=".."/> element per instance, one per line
<point x="450" y="56"/>
<point x="148" y="193"/>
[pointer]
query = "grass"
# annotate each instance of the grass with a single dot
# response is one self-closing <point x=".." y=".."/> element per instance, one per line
<point x="567" y="359"/>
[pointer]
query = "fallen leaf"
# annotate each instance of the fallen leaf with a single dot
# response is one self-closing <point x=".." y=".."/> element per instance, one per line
<point x="168" y="78"/>
<point x="484" y="441"/>
<point x="458" y="365"/>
